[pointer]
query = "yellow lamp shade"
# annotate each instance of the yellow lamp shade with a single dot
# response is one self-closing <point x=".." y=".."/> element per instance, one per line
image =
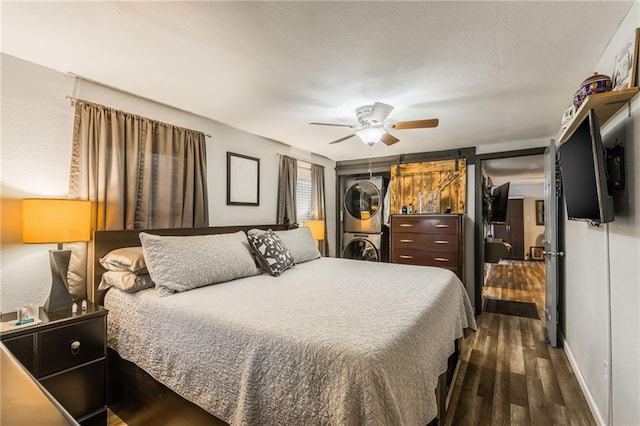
<point x="55" y="220"/>
<point x="316" y="227"/>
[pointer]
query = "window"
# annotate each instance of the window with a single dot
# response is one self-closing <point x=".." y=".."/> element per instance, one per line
<point x="303" y="192"/>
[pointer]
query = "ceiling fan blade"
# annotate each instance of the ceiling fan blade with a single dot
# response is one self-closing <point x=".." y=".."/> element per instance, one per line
<point x="417" y="124"/>
<point x="380" y="112"/>
<point x="331" y="124"/>
<point x="343" y="139"/>
<point x="389" y="139"/>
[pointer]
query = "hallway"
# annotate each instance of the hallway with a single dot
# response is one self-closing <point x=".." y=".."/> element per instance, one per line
<point x="517" y="280"/>
<point x="507" y="374"/>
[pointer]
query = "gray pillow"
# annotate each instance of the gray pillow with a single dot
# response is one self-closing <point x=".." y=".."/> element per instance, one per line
<point x="273" y="255"/>
<point x="126" y="259"/>
<point x="125" y="281"/>
<point x="179" y="264"/>
<point x="299" y="242"/>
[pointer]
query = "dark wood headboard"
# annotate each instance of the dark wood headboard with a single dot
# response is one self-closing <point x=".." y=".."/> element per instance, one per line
<point x="105" y="241"/>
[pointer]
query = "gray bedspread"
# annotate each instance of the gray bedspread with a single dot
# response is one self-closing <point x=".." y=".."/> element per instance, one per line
<point x="330" y="342"/>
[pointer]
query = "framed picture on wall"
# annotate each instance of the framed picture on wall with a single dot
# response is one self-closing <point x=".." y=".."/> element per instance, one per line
<point x="537" y="253"/>
<point x="539" y="212"/>
<point x="243" y="180"/>
<point x="625" y="68"/>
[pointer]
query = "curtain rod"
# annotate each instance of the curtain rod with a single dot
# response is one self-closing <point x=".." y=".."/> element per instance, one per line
<point x="299" y="159"/>
<point x="73" y="101"/>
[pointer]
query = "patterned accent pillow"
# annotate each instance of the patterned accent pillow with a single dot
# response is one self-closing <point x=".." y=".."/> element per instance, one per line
<point x="299" y="241"/>
<point x="273" y="255"/>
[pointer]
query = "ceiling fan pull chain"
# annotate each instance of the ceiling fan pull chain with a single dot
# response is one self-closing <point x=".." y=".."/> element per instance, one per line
<point x="370" y="171"/>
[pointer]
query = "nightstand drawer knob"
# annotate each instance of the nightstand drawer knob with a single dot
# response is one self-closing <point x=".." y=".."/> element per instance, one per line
<point x="75" y="347"/>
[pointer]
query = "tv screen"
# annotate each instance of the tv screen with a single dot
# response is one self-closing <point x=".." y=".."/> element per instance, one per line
<point x="499" y="204"/>
<point x="582" y="166"/>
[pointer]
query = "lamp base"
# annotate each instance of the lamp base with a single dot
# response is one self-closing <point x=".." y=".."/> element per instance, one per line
<point x="59" y="298"/>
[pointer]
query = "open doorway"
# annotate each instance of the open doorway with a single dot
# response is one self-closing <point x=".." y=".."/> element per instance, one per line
<point x="514" y="268"/>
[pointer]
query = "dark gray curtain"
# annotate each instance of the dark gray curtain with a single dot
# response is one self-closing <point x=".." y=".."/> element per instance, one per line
<point x="139" y="174"/>
<point x="287" y="180"/>
<point x="318" y="210"/>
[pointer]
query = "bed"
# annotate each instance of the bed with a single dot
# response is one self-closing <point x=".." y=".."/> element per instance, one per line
<point x="330" y="341"/>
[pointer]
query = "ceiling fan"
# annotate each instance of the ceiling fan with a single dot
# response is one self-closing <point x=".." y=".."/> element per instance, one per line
<point x="372" y="129"/>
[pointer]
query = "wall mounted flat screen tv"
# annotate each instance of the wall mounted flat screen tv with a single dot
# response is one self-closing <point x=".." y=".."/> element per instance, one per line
<point x="584" y="178"/>
<point x="499" y="204"/>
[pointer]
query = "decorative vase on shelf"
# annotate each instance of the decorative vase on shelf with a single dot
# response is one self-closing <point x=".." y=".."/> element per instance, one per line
<point x="597" y="83"/>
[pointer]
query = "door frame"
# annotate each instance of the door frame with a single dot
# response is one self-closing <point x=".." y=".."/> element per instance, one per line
<point x="479" y="231"/>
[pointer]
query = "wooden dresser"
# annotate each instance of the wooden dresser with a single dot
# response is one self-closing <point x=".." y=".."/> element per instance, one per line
<point x="429" y="240"/>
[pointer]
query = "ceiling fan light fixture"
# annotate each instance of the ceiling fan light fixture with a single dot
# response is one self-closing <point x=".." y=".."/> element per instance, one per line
<point x="371" y="136"/>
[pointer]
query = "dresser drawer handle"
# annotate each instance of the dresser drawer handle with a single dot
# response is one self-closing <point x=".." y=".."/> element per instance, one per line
<point x="402" y="256"/>
<point x="406" y="241"/>
<point x="442" y="242"/>
<point x="441" y="226"/>
<point x="441" y="259"/>
<point x="406" y="225"/>
<point x="75" y="347"/>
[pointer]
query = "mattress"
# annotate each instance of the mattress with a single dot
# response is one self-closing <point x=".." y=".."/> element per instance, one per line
<point x="331" y="342"/>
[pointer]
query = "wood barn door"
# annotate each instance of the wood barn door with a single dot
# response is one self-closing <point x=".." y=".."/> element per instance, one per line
<point x="513" y="231"/>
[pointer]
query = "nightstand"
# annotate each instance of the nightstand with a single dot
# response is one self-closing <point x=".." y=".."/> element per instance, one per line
<point x="66" y="353"/>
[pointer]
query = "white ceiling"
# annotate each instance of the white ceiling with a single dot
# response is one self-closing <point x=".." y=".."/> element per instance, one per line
<point x="492" y="72"/>
<point x="520" y="170"/>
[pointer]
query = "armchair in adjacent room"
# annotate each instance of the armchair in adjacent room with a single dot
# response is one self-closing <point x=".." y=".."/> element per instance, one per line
<point x="495" y="249"/>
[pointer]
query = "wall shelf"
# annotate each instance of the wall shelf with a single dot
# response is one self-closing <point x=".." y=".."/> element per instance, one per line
<point x="605" y="105"/>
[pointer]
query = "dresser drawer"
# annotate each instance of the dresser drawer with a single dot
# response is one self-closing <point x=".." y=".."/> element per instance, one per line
<point x="71" y="345"/>
<point x="80" y="390"/>
<point x="441" y="259"/>
<point x="423" y="224"/>
<point x="23" y="349"/>
<point x="407" y="240"/>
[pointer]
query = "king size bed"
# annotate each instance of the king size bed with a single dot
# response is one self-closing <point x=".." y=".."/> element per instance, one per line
<point x="328" y="341"/>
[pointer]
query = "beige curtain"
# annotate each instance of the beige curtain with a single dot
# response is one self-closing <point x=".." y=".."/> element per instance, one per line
<point x="318" y="210"/>
<point x="138" y="173"/>
<point x="287" y="181"/>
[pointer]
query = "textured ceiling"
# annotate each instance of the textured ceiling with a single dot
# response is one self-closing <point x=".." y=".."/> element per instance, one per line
<point x="522" y="170"/>
<point x="492" y="72"/>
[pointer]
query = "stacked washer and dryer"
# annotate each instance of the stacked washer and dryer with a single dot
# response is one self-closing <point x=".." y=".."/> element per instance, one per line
<point x="363" y="218"/>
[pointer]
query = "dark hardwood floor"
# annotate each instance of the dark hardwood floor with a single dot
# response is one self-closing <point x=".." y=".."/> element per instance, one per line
<point x="522" y="281"/>
<point x="507" y="375"/>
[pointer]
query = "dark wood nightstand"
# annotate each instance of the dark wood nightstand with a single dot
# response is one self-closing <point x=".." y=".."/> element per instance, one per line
<point x="67" y="354"/>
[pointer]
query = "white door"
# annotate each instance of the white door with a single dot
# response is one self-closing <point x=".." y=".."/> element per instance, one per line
<point x="551" y="252"/>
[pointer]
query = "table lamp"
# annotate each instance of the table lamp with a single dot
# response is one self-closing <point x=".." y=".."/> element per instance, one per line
<point x="316" y="227"/>
<point x="48" y="221"/>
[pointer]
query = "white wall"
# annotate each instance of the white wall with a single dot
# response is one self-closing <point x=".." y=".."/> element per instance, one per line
<point x="597" y="257"/>
<point x="530" y="193"/>
<point x="36" y="151"/>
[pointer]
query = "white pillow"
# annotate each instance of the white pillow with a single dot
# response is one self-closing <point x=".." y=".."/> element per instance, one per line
<point x="299" y="241"/>
<point x="179" y="264"/>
